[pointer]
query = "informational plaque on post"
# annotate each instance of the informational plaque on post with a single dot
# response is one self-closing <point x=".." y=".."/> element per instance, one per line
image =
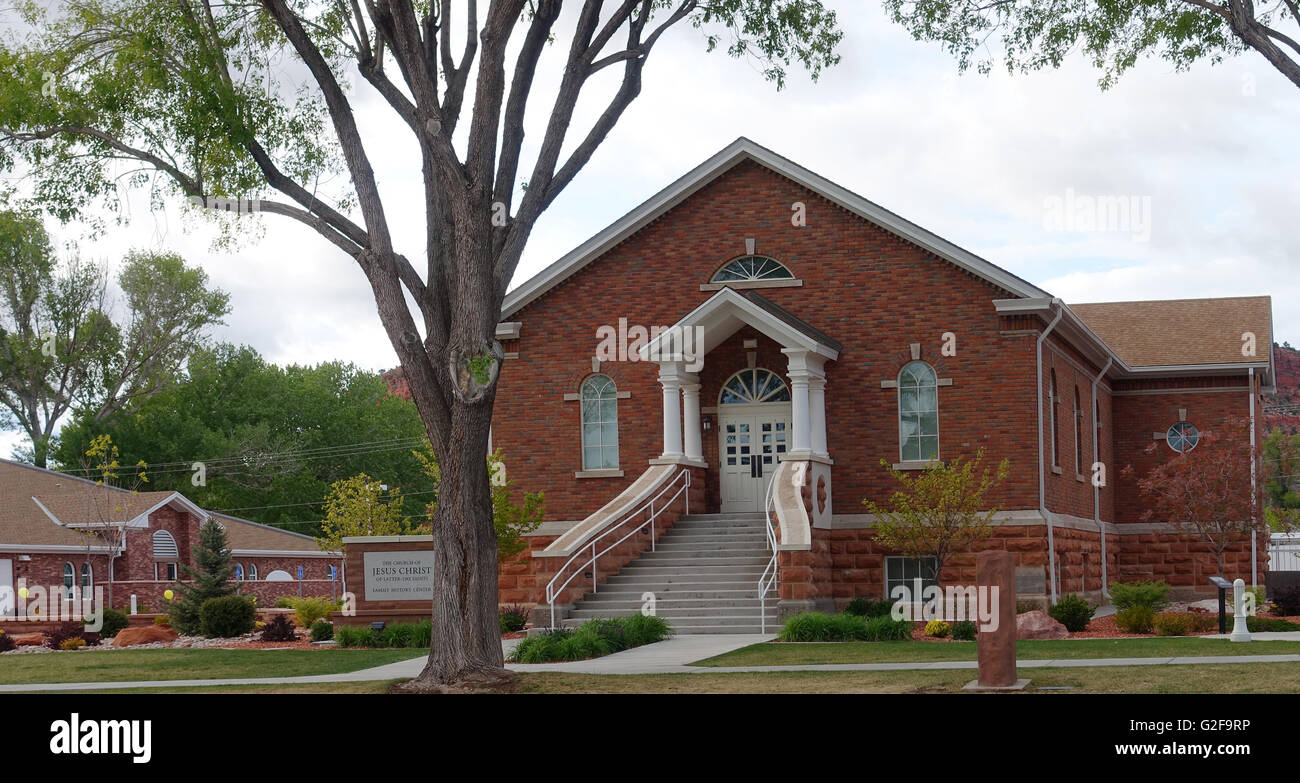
<point x="399" y="576"/>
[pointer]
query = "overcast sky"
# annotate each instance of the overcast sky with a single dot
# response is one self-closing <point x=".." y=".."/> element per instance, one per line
<point x="988" y="162"/>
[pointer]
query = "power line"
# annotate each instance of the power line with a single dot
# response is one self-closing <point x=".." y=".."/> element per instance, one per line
<point x="217" y="464"/>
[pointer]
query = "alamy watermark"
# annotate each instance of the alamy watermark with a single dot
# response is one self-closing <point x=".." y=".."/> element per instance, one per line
<point x="624" y="343"/>
<point x="1080" y="212"/>
<point x="953" y="603"/>
<point x="57" y="603"/>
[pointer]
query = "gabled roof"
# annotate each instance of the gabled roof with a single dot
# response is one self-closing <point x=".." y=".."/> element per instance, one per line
<point x="1182" y="331"/>
<point x="719" y="316"/>
<point x="42" y="508"/>
<point x="739" y="151"/>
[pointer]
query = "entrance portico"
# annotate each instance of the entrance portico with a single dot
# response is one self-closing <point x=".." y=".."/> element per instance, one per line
<point x="763" y="417"/>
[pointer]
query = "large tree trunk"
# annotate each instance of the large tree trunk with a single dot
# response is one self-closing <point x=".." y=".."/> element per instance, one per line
<point x="466" y="648"/>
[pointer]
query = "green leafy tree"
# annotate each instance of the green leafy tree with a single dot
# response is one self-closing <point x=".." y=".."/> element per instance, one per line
<point x="361" y="506"/>
<point x="1280" y="463"/>
<point x="268" y="440"/>
<point x="60" y="347"/>
<point x="510" y="520"/>
<point x="939" y="511"/>
<point x="235" y="105"/>
<point x="210" y="577"/>
<point x="1112" y="34"/>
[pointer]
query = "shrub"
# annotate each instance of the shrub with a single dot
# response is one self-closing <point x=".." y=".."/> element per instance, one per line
<point x="1172" y="624"/>
<point x="964" y="630"/>
<point x="592" y="639"/>
<point x="7" y="642"/>
<point x="1149" y="595"/>
<point x="279" y="630"/>
<point x="162" y="619"/>
<point x="113" y="622"/>
<point x="284" y="602"/>
<point x="1135" y="619"/>
<point x="222" y="618"/>
<point x="1255" y="624"/>
<point x="1203" y="621"/>
<point x="55" y="639"/>
<point x="322" y="631"/>
<point x="1025" y="606"/>
<point x="72" y="643"/>
<point x="1073" y="612"/>
<point x="1261" y="599"/>
<point x="1286" y="601"/>
<point x="417" y="635"/>
<point x="512" y="619"/>
<point x="355" y="636"/>
<point x="938" y="629"/>
<point x="863" y="607"/>
<point x="887" y="629"/>
<point x="308" y="610"/>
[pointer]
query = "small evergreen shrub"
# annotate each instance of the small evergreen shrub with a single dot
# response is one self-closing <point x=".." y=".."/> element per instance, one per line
<point x="279" y="630"/>
<point x="7" y="642"/>
<point x="1286" y="601"/>
<point x="72" y="643"/>
<point x="512" y="619"/>
<point x="938" y="629"/>
<point x="1149" y="595"/>
<point x="1172" y="624"/>
<point x="1135" y="619"/>
<point x="113" y="622"/>
<point x="1073" y="612"/>
<point x="322" y="631"/>
<point x="226" y="617"/>
<point x="863" y="607"/>
<point x="964" y="631"/>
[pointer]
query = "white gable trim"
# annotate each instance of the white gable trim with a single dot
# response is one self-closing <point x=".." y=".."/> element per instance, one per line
<point x="729" y="302"/>
<point x="738" y="151"/>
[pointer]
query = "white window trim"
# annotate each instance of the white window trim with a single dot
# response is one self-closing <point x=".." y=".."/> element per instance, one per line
<point x="251" y="574"/>
<point x="916" y="599"/>
<point x="582" y="423"/>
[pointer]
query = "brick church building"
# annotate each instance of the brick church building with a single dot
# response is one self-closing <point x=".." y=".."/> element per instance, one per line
<point x="804" y="334"/>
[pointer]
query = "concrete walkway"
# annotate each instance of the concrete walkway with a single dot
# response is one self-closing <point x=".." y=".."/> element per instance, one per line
<point x="671" y="657"/>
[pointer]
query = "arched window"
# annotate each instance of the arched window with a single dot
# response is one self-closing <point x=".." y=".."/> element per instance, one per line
<point x="748" y="269"/>
<point x="599" y="423"/>
<point x="750" y="386"/>
<point x="239" y="572"/>
<point x="87" y="578"/>
<point x="69" y="579"/>
<point x="164" y="546"/>
<point x="252" y="572"/>
<point x="1051" y="411"/>
<point x="1078" y="428"/>
<point x="918" y="413"/>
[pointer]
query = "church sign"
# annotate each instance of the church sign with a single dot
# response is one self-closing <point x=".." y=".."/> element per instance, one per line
<point x="399" y="576"/>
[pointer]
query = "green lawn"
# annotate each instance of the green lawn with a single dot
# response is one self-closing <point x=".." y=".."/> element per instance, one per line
<point x="189" y="664"/>
<point x="1217" y="678"/>
<point x="793" y="654"/>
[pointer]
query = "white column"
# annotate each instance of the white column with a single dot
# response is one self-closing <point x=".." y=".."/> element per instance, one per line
<point x="817" y="412"/>
<point x="691" y="421"/>
<point x="671" y="380"/>
<point x="804" y="367"/>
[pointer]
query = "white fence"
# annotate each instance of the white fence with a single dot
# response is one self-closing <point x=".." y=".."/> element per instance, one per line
<point x="1284" y="552"/>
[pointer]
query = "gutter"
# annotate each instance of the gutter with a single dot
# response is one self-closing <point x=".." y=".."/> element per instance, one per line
<point x="1042" y="480"/>
<point x="1254" y="534"/>
<point x="1096" y="490"/>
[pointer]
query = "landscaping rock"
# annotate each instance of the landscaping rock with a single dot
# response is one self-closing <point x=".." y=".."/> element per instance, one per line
<point x="1038" y="625"/>
<point x="29" y="639"/>
<point x="147" y="634"/>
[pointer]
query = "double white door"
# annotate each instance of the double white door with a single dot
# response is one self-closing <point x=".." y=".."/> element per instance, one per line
<point x="751" y="445"/>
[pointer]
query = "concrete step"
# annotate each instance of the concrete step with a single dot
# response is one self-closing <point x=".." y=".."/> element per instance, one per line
<point x="719" y="524"/>
<point x="716" y="517"/>
<point x="684" y="625"/>
<point x="643" y="577"/>
<point x="671" y="593"/>
<point x="722" y="534"/>
<point x="677" y="545"/>
<point x="670" y="614"/>
<point x="636" y="568"/>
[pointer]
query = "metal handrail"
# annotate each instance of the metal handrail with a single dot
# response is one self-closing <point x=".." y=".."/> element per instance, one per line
<point x="766" y="581"/>
<point x="552" y="591"/>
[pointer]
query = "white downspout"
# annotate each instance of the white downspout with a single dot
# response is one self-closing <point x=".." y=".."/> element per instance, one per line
<point x="1254" y="534"/>
<point x="1042" y="481"/>
<point x="1096" y="457"/>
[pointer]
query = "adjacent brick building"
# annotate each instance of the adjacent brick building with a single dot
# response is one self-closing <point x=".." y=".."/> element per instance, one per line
<point x="63" y="533"/>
